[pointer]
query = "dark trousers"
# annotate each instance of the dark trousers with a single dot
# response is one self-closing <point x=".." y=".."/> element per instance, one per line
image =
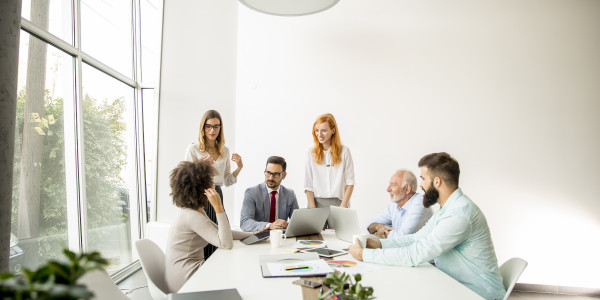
<point x="210" y="212"/>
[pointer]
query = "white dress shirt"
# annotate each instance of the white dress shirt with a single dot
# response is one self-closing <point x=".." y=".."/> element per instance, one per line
<point x="406" y="219"/>
<point x="327" y="181"/>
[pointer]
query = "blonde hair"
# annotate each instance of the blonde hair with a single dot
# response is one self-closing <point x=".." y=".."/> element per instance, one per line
<point x="336" y="143"/>
<point x="220" y="142"/>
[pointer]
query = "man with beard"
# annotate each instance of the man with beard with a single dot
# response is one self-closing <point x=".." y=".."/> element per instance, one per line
<point x="269" y="204"/>
<point x="406" y="214"/>
<point x="457" y="237"/>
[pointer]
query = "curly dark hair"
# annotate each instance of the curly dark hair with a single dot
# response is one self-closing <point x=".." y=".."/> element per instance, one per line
<point x="188" y="182"/>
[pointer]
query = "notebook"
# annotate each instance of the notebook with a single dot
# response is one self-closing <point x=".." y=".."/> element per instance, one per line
<point x="306" y="221"/>
<point x="228" y="294"/>
<point x="346" y="223"/>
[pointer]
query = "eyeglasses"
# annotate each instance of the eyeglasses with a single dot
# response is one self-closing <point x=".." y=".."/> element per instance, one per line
<point x="209" y="127"/>
<point x="275" y="175"/>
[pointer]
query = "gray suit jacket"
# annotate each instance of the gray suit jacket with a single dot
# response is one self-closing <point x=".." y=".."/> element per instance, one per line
<point x="256" y="208"/>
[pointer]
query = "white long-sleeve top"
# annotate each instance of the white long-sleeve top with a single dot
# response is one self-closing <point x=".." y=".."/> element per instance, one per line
<point x="222" y="164"/>
<point x="327" y="181"/>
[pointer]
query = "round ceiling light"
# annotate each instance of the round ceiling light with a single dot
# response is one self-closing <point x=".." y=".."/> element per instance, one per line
<point x="289" y="7"/>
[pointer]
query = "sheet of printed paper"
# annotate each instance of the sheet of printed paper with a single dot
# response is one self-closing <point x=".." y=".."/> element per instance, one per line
<point x="300" y="268"/>
<point x="351" y="266"/>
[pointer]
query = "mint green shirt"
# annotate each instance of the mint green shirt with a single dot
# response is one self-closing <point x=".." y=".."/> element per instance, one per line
<point x="459" y="240"/>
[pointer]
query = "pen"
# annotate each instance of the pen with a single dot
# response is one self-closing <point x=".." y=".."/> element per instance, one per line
<point x="295" y="268"/>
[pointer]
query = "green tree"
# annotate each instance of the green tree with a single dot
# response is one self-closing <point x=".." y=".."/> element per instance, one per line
<point x="104" y="151"/>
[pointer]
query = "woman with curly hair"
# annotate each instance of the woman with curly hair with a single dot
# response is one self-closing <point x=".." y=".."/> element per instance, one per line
<point x="211" y="147"/>
<point x="329" y="170"/>
<point x="192" y="189"/>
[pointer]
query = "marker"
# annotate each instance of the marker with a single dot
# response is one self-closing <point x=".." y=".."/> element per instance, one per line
<point x="295" y="268"/>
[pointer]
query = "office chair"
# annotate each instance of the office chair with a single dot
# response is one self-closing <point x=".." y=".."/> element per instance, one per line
<point x="511" y="271"/>
<point x="153" y="264"/>
<point x="103" y="287"/>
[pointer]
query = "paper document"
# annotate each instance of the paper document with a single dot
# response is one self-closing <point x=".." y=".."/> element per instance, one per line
<point x="315" y="267"/>
<point x="351" y="266"/>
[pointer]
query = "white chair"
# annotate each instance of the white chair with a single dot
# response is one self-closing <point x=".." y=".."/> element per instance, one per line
<point x="158" y="233"/>
<point x="511" y="271"/>
<point x="103" y="287"/>
<point x="153" y="264"/>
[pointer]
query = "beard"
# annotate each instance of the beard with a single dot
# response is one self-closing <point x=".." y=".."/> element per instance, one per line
<point x="395" y="198"/>
<point x="430" y="197"/>
<point x="272" y="184"/>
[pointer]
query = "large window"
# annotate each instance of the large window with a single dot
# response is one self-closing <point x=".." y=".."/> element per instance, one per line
<point x="86" y="134"/>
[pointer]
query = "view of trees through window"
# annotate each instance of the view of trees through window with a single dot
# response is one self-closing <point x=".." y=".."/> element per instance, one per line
<point x="77" y="151"/>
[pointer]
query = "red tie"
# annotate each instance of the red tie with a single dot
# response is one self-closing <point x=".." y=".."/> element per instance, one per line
<point x="272" y="217"/>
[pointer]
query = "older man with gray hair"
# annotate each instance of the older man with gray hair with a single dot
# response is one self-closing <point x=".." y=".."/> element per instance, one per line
<point x="406" y="214"/>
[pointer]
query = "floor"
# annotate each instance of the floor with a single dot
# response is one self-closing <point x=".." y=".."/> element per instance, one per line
<point x="136" y="288"/>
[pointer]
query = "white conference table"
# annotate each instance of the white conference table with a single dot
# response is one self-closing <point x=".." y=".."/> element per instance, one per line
<point x="239" y="268"/>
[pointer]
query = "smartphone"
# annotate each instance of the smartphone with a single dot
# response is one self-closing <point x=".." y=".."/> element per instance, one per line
<point x="307" y="283"/>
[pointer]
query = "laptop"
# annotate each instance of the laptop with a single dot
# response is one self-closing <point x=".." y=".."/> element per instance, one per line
<point x="346" y="222"/>
<point x="306" y="221"/>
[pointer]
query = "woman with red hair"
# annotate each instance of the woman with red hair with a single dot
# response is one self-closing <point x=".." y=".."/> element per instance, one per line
<point x="329" y="170"/>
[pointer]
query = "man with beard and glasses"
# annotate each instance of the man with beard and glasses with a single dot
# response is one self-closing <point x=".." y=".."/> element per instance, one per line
<point x="457" y="237"/>
<point x="269" y="204"/>
<point x="406" y="214"/>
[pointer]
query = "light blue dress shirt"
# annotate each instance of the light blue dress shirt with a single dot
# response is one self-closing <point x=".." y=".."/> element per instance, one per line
<point x="459" y="240"/>
<point x="406" y="219"/>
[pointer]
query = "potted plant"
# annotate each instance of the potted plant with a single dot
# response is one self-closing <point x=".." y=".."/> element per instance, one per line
<point x="343" y="286"/>
<point x="54" y="280"/>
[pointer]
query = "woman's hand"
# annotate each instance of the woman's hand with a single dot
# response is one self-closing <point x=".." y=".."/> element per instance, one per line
<point x="208" y="158"/>
<point x="214" y="199"/>
<point x="236" y="158"/>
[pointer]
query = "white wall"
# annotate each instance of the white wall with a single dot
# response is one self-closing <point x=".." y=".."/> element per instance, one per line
<point x="197" y="74"/>
<point x="510" y="88"/>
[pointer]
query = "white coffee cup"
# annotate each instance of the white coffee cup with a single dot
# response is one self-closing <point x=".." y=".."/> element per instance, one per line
<point x="362" y="239"/>
<point x="277" y="237"/>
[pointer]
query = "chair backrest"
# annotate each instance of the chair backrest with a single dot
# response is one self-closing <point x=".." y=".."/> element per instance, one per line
<point x="153" y="264"/>
<point x="103" y="287"/>
<point x="511" y="271"/>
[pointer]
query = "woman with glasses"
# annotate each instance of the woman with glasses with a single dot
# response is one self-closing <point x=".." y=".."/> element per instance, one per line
<point x="329" y="170"/>
<point x="193" y="190"/>
<point x="211" y="148"/>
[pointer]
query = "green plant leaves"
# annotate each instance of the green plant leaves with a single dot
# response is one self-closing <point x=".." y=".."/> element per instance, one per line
<point x="344" y="286"/>
<point x="54" y="280"/>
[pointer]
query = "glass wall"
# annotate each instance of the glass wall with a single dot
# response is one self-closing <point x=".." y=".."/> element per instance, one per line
<point x="39" y="208"/>
<point x="86" y="129"/>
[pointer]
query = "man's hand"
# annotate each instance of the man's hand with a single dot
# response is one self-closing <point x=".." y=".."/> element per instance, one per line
<point x="264" y="229"/>
<point x="380" y="230"/>
<point x="278" y="224"/>
<point x="356" y="250"/>
<point x="373" y="243"/>
<point x="383" y="231"/>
